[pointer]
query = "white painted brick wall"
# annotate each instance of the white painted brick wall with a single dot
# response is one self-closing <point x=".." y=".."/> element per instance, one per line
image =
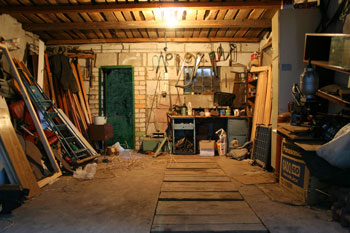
<point x="145" y="79"/>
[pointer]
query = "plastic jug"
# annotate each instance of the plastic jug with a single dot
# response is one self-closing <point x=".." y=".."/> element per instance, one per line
<point x="222" y="148"/>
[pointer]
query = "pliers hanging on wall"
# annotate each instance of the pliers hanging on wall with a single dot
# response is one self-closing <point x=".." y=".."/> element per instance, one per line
<point x="232" y="54"/>
<point x="160" y="57"/>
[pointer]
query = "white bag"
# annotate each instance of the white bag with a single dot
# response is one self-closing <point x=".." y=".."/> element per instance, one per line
<point x="337" y="151"/>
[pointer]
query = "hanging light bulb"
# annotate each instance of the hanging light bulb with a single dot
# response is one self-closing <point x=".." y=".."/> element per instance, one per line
<point x="169" y="16"/>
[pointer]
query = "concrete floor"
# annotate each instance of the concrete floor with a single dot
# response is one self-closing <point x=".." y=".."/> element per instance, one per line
<point x="123" y="196"/>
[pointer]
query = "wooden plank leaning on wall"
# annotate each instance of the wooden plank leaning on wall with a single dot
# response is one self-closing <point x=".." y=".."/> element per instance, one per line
<point x="35" y="118"/>
<point x="263" y="101"/>
<point x="15" y="152"/>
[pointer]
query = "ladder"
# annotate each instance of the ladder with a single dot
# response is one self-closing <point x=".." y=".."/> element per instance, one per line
<point x="74" y="147"/>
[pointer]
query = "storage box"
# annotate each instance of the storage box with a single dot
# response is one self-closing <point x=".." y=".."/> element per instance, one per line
<point x="207" y="148"/>
<point x="295" y="176"/>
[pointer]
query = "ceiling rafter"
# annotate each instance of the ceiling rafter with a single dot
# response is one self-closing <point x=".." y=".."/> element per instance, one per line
<point x="145" y="40"/>
<point x="248" y="4"/>
<point x="261" y="23"/>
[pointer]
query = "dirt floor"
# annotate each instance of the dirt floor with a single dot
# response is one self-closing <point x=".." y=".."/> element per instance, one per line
<point x="123" y="196"/>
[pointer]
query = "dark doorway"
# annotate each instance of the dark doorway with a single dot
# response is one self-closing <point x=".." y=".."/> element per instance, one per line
<point x="117" y="103"/>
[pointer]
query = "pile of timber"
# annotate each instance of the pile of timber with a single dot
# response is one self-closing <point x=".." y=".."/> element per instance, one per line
<point x="74" y="103"/>
<point x="30" y="154"/>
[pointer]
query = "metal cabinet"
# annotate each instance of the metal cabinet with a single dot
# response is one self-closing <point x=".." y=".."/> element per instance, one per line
<point x="237" y="128"/>
<point x="184" y="128"/>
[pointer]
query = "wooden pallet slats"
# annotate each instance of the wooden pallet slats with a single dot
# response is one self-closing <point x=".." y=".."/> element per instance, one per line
<point x="201" y="200"/>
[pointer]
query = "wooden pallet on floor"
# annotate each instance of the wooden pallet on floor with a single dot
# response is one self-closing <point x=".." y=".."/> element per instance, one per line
<point x="195" y="198"/>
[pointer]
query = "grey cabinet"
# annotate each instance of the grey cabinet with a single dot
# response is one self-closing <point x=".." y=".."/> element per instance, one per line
<point x="237" y="128"/>
<point x="184" y="135"/>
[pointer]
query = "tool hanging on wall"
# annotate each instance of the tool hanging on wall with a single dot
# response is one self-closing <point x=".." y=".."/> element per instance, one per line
<point x="168" y="57"/>
<point x="199" y="58"/>
<point x="177" y="62"/>
<point x="212" y="57"/>
<point x="232" y="54"/>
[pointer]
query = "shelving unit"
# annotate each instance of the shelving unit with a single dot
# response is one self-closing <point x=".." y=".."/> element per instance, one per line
<point x="318" y="48"/>
<point x="251" y="88"/>
<point x="184" y="127"/>
<point x="333" y="98"/>
<point x="326" y="65"/>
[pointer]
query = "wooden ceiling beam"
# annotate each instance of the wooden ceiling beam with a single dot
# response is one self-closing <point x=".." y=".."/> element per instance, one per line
<point x="54" y="9"/>
<point x="259" y="23"/>
<point x="145" y="40"/>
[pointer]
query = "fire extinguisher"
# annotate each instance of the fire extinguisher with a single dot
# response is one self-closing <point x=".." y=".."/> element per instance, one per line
<point x="222" y="141"/>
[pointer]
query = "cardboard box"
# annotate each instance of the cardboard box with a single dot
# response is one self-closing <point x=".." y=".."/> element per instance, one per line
<point x="207" y="148"/>
<point x="295" y="176"/>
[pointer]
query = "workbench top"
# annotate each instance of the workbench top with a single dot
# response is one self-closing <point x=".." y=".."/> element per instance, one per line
<point x="216" y="117"/>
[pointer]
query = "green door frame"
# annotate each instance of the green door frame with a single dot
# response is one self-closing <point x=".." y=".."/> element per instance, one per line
<point x="102" y="82"/>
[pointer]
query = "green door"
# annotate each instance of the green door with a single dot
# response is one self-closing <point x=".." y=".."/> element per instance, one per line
<point x="117" y="103"/>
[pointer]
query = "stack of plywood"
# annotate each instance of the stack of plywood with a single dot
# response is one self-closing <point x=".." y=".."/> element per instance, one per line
<point x="263" y="100"/>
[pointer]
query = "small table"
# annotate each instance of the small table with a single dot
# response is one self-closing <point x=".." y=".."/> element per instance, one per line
<point x="101" y="133"/>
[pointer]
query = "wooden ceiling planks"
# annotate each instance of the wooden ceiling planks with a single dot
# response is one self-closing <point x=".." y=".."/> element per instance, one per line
<point x="128" y="17"/>
<point x="120" y="18"/>
<point x="256" y="32"/>
<point x="241" y="14"/>
<point x="189" y="15"/>
<point x="254" y="14"/>
<point x="214" y="32"/>
<point x="75" y="13"/>
<point x="137" y="15"/>
<point x="149" y="16"/>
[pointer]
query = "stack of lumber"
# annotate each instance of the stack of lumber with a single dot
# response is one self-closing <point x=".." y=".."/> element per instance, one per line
<point x="32" y="156"/>
<point x="263" y="100"/>
<point x="75" y="105"/>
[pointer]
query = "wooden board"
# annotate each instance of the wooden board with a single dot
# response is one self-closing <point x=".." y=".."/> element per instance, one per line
<point x="268" y="99"/>
<point x="232" y="218"/>
<point x="49" y="77"/>
<point x="16" y="155"/>
<point x="191" y="165"/>
<point x="82" y="105"/>
<point x="196" y="178"/>
<point x="310" y="145"/>
<point x="198" y="186"/>
<point x="258" y="114"/>
<point x="197" y="196"/>
<point x="295" y="128"/>
<point x="239" y="228"/>
<point x="197" y="172"/>
<point x="86" y="100"/>
<point x="198" y="160"/>
<point x="293" y="136"/>
<point x="202" y="207"/>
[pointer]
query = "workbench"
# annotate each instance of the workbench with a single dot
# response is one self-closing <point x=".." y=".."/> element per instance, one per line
<point x="198" y="128"/>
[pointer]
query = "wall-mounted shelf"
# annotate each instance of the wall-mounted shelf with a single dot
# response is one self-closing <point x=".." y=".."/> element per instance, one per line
<point x="325" y="64"/>
<point x="330" y="51"/>
<point x="333" y="98"/>
<point x="327" y="51"/>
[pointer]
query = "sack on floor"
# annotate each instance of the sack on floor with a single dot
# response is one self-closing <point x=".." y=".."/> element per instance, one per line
<point x="337" y="151"/>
